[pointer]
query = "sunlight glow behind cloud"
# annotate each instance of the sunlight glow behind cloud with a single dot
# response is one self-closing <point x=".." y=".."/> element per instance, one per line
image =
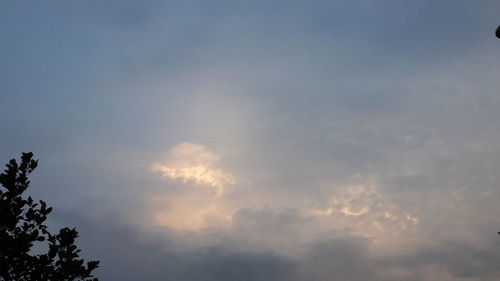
<point x="192" y="207"/>
<point x="189" y="210"/>
<point x="189" y="162"/>
<point x="202" y="201"/>
<point x="366" y="211"/>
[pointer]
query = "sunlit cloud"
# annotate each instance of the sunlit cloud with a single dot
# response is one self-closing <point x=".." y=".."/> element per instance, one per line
<point x="188" y="162"/>
<point x="366" y="211"/>
<point x="192" y="207"/>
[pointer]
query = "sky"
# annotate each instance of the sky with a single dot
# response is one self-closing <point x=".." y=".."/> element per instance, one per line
<point x="262" y="140"/>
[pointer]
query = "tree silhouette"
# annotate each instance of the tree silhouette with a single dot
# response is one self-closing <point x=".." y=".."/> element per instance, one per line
<point x="22" y="225"/>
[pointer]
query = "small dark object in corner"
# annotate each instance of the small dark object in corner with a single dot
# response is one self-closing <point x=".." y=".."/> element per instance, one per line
<point x="497" y="33"/>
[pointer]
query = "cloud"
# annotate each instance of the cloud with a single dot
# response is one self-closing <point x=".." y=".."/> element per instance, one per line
<point x="189" y="162"/>
<point x="366" y="211"/>
<point x="305" y="99"/>
<point x="127" y="253"/>
<point x="189" y="210"/>
<point x="192" y="207"/>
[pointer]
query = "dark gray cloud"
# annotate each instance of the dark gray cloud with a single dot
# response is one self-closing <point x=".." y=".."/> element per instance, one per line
<point x="458" y="259"/>
<point x="128" y="254"/>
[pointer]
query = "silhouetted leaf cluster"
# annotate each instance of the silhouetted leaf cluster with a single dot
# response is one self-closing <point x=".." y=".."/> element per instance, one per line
<point x="22" y="224"/>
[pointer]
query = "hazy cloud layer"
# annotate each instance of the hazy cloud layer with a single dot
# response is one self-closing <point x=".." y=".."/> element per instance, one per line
<point x="263" y="140"/>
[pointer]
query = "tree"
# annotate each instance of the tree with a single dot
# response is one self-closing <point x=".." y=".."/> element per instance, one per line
<point x="22" y="224"/>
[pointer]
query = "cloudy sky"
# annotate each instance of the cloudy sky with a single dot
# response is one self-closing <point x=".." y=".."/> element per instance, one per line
<point x="262" y="140"/>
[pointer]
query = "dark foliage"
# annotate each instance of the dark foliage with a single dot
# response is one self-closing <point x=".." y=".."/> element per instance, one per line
<point x="22" y="224"/>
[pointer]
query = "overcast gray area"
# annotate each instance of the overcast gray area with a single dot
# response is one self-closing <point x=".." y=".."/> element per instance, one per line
<point x="262" y="140"/>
